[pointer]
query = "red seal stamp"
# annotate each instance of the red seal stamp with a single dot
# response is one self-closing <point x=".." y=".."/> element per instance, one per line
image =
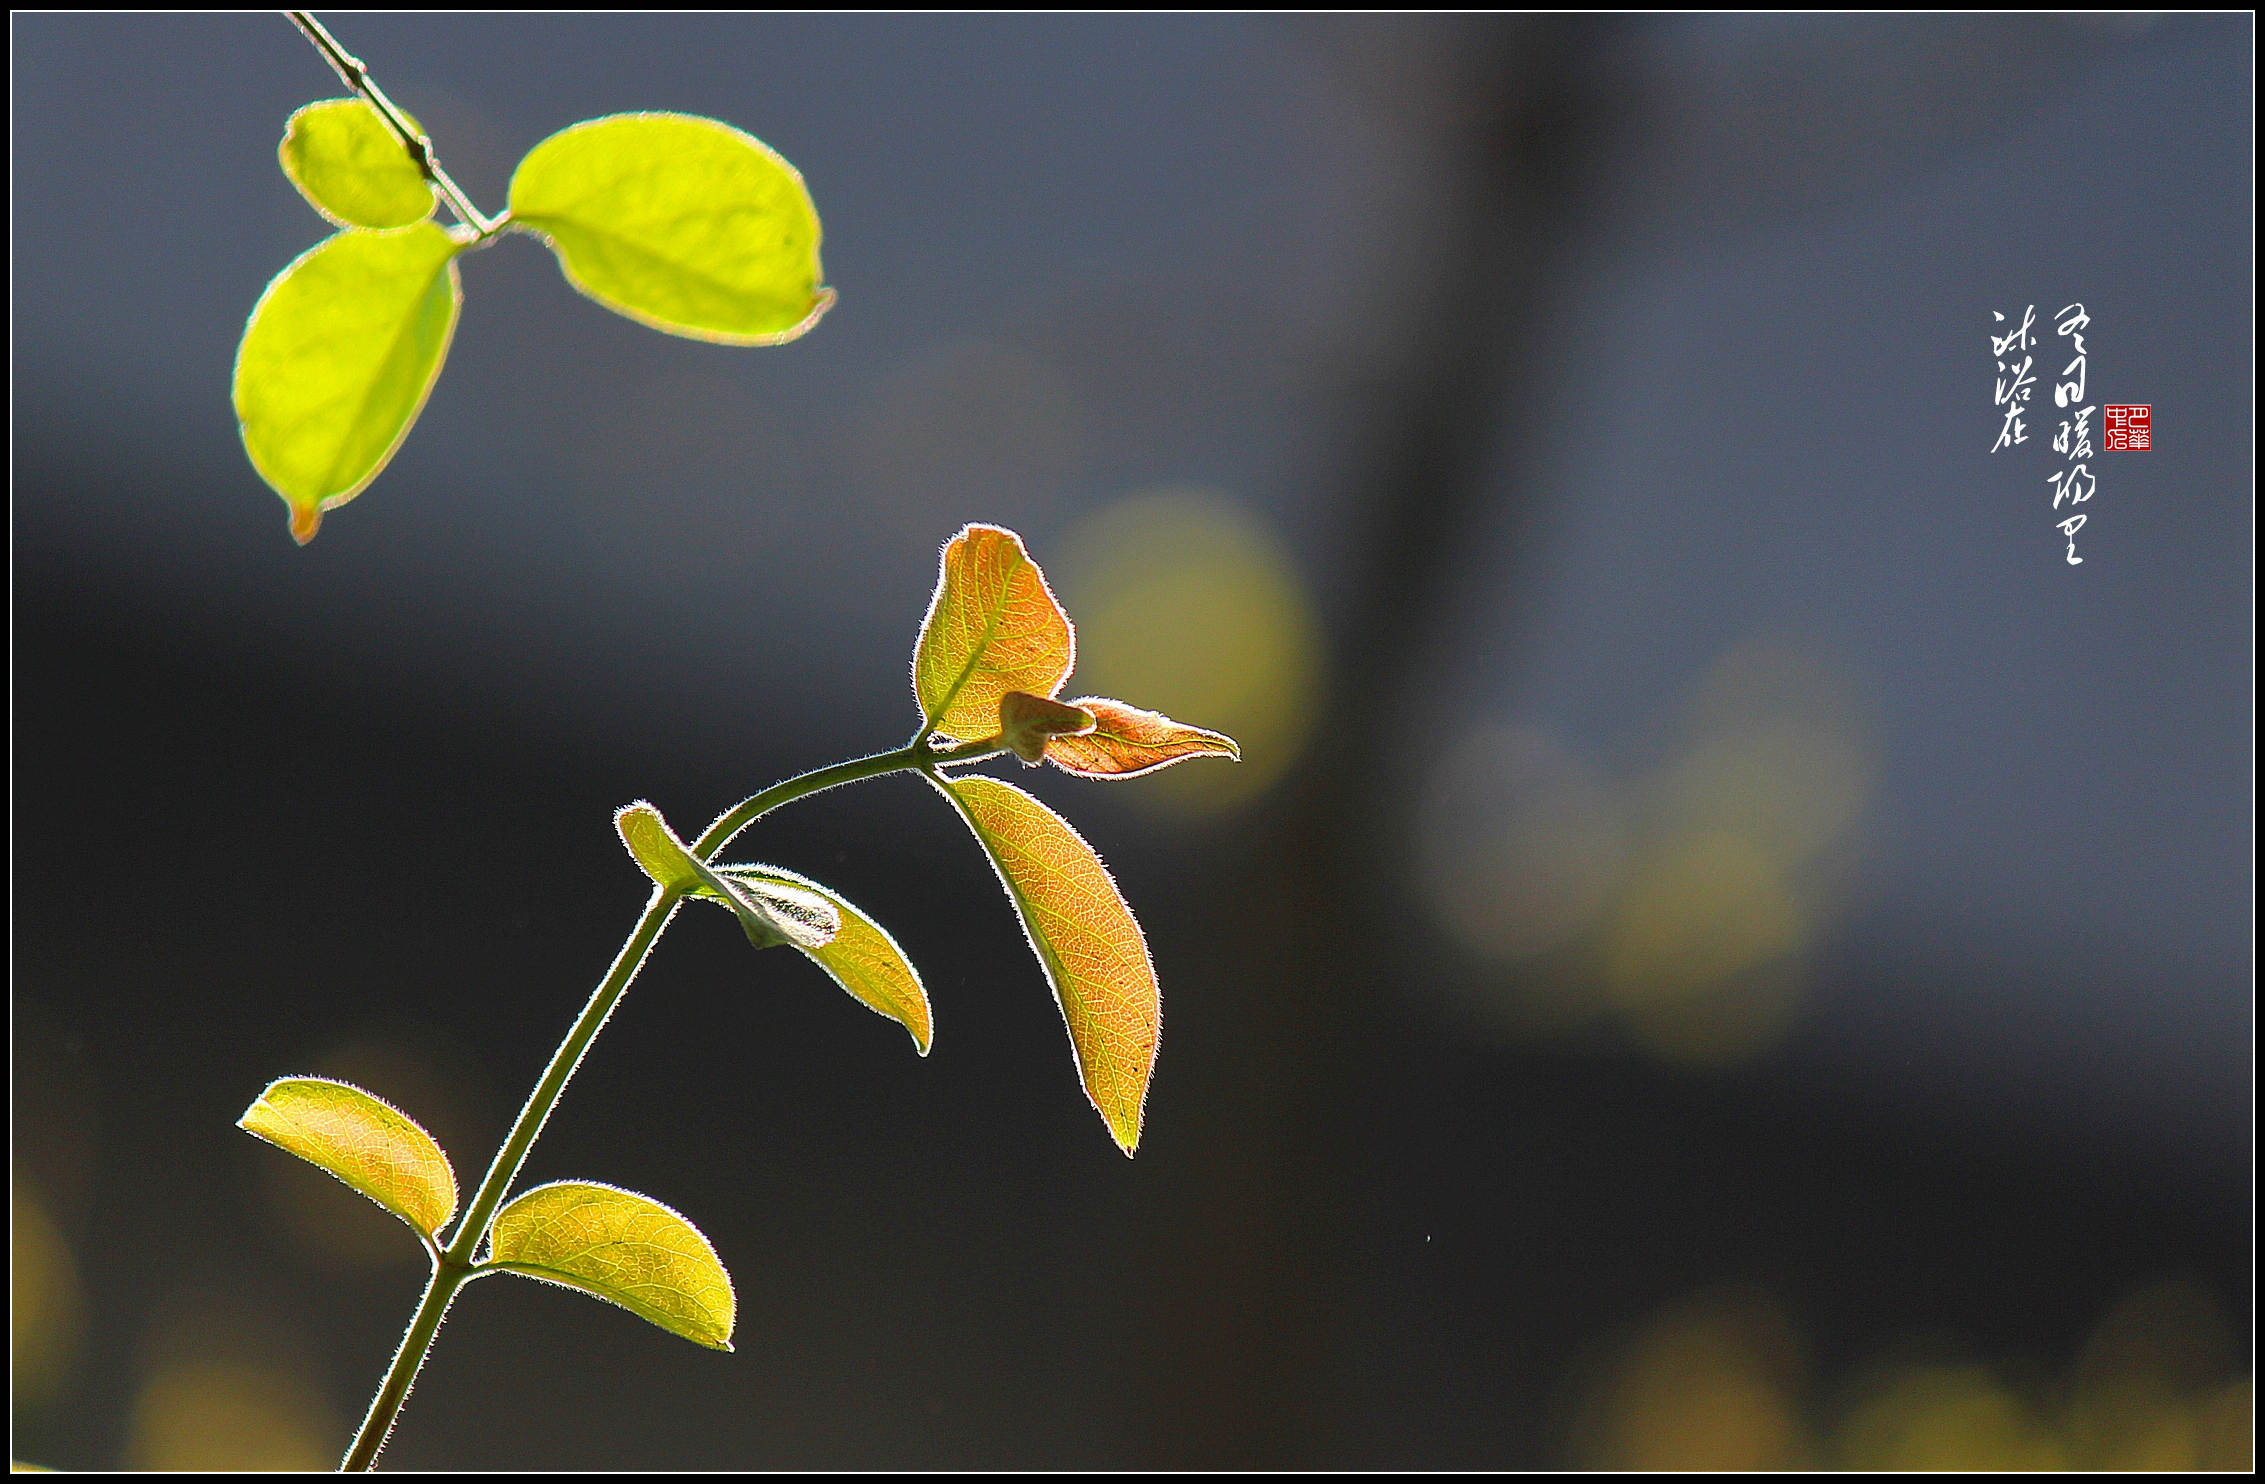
<point x="2129" y="427"/>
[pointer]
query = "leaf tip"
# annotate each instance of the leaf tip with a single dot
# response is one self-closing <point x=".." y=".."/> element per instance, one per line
<point x="305" y="521"/>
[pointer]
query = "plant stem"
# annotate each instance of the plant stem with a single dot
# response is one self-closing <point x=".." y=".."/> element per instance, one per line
<point x="357" y="76"/>
<point x="453" y="1265"/>
<point x="564" y="1061"/>
<point x="915" y="755"/>
<point x="407" y="1361"/>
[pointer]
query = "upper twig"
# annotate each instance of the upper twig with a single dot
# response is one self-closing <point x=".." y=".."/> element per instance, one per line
<point x="355" y="75"/>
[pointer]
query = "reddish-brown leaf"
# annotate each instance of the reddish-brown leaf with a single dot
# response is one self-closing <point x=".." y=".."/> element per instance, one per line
<point x="1026" y="721"/>
<point x="1126" y="742"/>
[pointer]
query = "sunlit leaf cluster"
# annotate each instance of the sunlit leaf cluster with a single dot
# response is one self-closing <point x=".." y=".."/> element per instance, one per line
<point x="993" y="651"/>
<point x="685" y="224"/>
<point x="692" y="227"/>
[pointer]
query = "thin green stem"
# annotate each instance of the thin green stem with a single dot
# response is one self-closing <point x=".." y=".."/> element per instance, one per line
<point x="440" y="1289"/>
<point x="455" y="1265"/>
<point x="524" y="1130"/>
<point x="914" y="756"/>
<point x="355" y="75"/>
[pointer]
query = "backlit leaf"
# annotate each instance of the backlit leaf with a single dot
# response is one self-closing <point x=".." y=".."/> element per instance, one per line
<point x="862" y="957"/>
<point x="1027" y="722"/>
<point x="352" y="168"/>
<point x="770" y="914"/>
<point x="1085" y="938"/>
<point x="992" y="627"/>
<point x="681" y="223"/>
<point x="1126" y="742"/>
<point x="337" y="360"/>
<point x="625" y="1248"/>
<point x="369" y="1144"/>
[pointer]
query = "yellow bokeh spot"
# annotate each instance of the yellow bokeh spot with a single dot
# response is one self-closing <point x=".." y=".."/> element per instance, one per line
<point x="1776" y="749"/>
<point x="1520" y="844"/>
<point x="1731" y="882"/>
<point x="1186" y="603"/>
<point x="1708" y="1384"/>
<point x="2134" y="1399"/>
<point x="1699" y="958"/>
<point x="1943" y="1417"/>
<point x="2226" y="1428"/>
<point x="229" y="1415"/>
<point x="45" y="1315"/>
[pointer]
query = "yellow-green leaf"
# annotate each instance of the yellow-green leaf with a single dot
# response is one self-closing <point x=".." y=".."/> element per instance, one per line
<point x="1085" y="938"/>
<point x="655" y="847"/>
<point x="352" y="168"/>
<point x="681" y="223"/>
<point x="862" y="957"/>
<point x="626" y="1248"/>
<point x="992" y="627"/>
<point x="338" y="358"/>
<point x="369" y="1144"/>
<point x="807" y="919"/>
<point x="1125" y="742"/>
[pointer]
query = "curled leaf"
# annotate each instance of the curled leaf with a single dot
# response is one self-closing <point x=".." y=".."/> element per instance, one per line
<point x="861" y="956"/>
<point x="1027" y="721"/>
<point x="770" y="915"/>
<point x="656" y="848"/>
<point x="992" y="627"/>
<point x="682" y="223"/>
<point x="625" y="1248"/>
<point x="1125" y="742"/>
<point x="1086" y="940"/>
<point x="352" y="168"/>
<point x="369" y="1144"/>
<point x="338" y="358"/>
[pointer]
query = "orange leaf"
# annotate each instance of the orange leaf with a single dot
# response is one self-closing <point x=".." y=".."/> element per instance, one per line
<point x="1126" y="742"/>
<point x="1085" y="938"/>
<point x="993" y="626"/>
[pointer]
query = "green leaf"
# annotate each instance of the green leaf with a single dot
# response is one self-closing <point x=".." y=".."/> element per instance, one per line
<point x="770" y="915"/>
<point x="338" y="358"/>
<point x="681" y="223"/>
<point x="352" y="168"/>
<point x="992" y="627"/>
<point x="862" y="957"/>
<point x="369" y="1144"/>
<point x="1086" y="939"/>
<point x="625" y="1248"/>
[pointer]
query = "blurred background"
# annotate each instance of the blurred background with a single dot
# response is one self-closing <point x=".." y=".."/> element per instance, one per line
<point x="1725" y="949"/>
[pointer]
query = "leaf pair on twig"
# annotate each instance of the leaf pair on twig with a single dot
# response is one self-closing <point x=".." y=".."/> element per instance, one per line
<point x="623" y="1247"/>
<point x="681" y="223"/>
